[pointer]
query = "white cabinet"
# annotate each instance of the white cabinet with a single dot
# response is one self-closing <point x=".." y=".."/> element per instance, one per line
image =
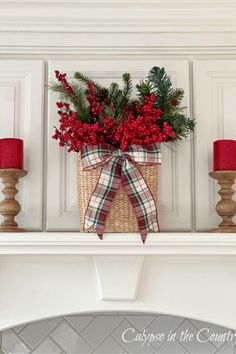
<point x="21" y="102"/>
<point x="215" y="94"/>
<point x="175" y="173"/>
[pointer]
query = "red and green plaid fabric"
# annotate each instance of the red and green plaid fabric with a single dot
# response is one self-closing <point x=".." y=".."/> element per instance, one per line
<point x="119" y="168"/>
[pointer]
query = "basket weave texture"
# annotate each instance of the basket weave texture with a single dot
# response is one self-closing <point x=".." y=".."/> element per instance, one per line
<point x="121" y="217"/>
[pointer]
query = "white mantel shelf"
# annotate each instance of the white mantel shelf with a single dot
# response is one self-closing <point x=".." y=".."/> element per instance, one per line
<point x="119" y="273"/>
<point x="54" y="243"/>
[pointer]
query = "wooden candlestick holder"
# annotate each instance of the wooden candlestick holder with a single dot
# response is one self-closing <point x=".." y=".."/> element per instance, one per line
<point x="226" y="207"/>
<point x="10" y="207"/>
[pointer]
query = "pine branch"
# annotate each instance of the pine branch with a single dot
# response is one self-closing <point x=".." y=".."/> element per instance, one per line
<point x="84" y="79"/>
<point x="128" y="85"/>
<point x="175" y="96"/>
<point x="77" y="99"/>
<point x="182" y="126"/>
<point x="145" y="88"/>
<point x="109" y="111"/>
<point x="124" y="98"/>
<point x="160" y="78"/>
<point x="114" y="87"/>
<point x="64" y="94"/>
<point x="162" y="83"/>
<point x="117" y="100"/>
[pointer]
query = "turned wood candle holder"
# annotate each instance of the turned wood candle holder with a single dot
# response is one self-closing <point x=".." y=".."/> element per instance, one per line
<point x="226" y="207"/>
<point x="10" y="207"/>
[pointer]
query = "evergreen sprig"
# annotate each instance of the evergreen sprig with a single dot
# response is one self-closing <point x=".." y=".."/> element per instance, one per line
<point x="83" y="79"/>
<point x="144" y="88"/>
<point x="168" y="99"/>
<point x="77" y="98"/>
<point x="128" y="87"/>
<point x="162" y="84"/>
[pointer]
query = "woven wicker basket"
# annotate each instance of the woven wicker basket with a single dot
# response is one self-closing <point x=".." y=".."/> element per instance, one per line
<point x="121" y="217"/>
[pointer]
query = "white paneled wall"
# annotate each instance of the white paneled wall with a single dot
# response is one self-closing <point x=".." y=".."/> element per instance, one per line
<point x="175" y="196"/>
<point x="22" y="91"/>
<point x="215" y="94"/>
<point x="21" y="102"/>
<point x="195" y="41"/>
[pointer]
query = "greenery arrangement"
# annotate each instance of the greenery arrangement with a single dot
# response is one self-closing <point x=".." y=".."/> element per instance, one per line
<point x="91" y="114"/>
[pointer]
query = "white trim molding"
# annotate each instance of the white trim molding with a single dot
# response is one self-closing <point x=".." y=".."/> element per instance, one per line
<point x="118" y="16"/>
<point x="79" y="24"/>
<point x="60" y="243"/>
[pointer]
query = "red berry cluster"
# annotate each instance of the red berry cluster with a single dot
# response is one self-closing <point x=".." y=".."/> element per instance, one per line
<point x="144" y="128"/>
<point x="74" y="133"/>
<point x="61" y="77"/>
<point x="139" y="125"/>
<point x="95" y="103"/>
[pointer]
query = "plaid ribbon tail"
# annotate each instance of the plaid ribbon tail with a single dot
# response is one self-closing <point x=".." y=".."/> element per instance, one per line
<point x="103" y="196"/>
<point x="141" y="198"/>
<point x="143" y="237"/>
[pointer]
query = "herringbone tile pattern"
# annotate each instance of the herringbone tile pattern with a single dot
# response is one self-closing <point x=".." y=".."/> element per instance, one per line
<point x="102" y="333"/>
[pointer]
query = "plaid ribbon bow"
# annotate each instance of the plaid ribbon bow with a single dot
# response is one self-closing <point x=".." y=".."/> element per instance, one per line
<point x="119" y="168"/>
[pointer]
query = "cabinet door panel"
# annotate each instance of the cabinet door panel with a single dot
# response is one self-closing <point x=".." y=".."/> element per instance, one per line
<point x="21" y="98"/>
<point x="215" y="92"/>
<point x="174" y="197"/>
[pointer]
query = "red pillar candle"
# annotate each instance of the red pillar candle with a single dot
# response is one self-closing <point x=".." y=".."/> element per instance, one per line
<point x="11" y="153"/>
<point x="224" y="155"/>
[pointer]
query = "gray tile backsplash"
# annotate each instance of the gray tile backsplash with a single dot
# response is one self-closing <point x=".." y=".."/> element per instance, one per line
<point x="118" y="333"/>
